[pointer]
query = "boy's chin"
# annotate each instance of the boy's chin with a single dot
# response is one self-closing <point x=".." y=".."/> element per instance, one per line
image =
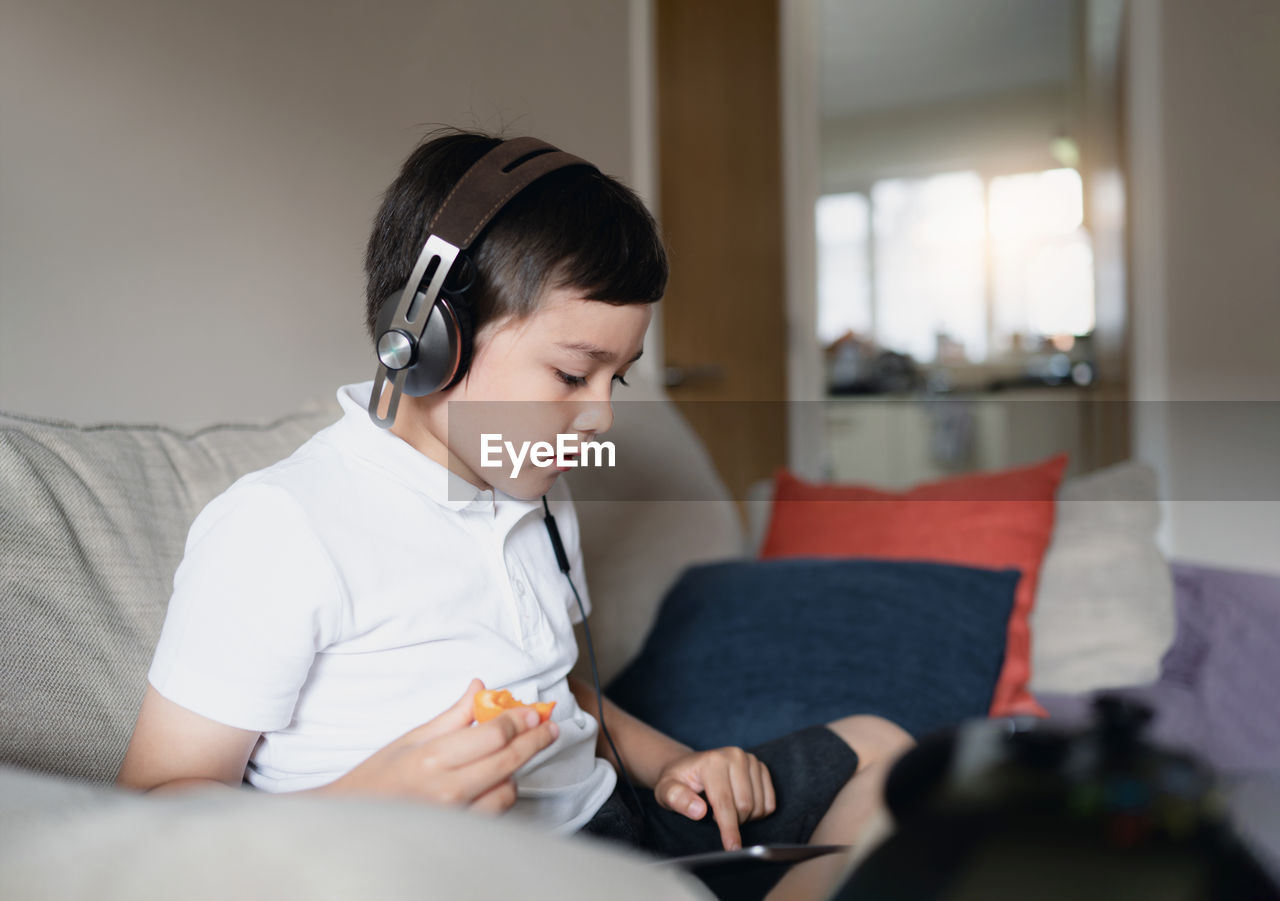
<point x="528" y="487"/>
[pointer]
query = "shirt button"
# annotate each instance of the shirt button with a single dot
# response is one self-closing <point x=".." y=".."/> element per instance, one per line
<point x="520" y="588"/>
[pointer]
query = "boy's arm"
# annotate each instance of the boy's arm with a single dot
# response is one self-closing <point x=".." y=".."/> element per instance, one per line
<point x="174" y="748"/>
<point x="645" y="750"/>
<point x="443" y="761"/>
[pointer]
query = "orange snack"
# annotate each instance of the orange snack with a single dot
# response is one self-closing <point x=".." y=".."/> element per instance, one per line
<point x="490" y="703"/>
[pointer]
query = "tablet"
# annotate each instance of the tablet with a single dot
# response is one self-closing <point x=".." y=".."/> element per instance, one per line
<point x="779" y="853"/>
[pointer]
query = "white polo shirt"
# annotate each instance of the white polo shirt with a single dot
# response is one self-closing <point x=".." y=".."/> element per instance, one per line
<point x="337" y="599"/>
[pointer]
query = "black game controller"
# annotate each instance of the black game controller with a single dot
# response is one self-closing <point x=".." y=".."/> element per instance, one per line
<point x="1017" y="808"/>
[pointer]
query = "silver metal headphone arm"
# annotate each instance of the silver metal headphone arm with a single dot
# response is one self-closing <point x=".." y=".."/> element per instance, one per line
<point x="404" y="334"/>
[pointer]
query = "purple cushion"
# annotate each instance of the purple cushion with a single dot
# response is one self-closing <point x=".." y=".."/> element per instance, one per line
<point x="1216" y="696"/>
<point x="1239" y="669"/>
<point x="1183" y="663"/>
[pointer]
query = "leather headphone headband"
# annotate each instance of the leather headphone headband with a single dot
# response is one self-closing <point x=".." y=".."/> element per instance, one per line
<point x="483" y="190"/>
<point x="492" y="180"/>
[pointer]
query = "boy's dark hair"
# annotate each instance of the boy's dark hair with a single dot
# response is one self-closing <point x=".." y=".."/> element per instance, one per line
<point x="575" y="227"/>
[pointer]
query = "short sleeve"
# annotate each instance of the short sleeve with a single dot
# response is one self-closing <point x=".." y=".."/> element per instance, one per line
<point x="255" y="598"/>
<point x="567" y="522"/>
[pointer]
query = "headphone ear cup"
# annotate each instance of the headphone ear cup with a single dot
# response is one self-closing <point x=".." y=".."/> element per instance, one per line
<point x="441" y="349"/>
<point x="466" y="337"/>
<point x="444" y="352"/>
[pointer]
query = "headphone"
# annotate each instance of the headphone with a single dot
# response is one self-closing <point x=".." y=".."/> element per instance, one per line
<point x="424" y="340"/>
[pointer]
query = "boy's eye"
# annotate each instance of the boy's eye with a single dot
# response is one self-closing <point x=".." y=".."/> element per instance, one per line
<point x="578" y="381"/>
<point x="575" y="380"/>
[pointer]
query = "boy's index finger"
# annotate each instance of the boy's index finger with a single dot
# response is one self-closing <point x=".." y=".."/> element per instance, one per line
<point x="469" y="746"/>
<point x="720" y="797"/>
<point x="524" y="719"/>
<point x="483" y="771"/>
<point x="504" y="727"/>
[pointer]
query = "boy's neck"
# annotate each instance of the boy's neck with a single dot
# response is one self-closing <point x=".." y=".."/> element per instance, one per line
<point x="414" y="426"/>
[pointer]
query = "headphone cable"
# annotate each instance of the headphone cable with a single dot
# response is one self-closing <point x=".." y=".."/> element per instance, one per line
<point x="562" y="560"/>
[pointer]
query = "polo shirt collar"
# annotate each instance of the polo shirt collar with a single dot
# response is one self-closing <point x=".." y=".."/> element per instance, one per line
<point x="415" y="469"/>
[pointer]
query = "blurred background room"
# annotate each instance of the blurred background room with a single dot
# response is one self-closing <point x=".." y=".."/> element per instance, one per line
<point x="909" y="238"/>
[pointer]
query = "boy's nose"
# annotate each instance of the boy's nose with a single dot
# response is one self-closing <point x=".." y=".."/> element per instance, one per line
<point x="593" y="417"/>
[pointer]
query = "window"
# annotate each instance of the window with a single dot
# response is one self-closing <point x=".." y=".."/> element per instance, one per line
<point x="844" y="273"/>
<point x="1042" y="264"/>
<point x="956" y="267"/>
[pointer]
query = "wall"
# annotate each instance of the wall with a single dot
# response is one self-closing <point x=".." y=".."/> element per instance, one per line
<point x="1204" y="139"/>
<point x="186" y="188"/>
<point x="995" y="135"/>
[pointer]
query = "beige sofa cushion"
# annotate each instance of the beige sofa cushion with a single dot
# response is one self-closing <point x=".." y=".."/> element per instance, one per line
<point x="92" y="527"/>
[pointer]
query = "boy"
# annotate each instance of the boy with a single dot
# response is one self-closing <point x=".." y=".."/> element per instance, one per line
<point x="330" y="603"/>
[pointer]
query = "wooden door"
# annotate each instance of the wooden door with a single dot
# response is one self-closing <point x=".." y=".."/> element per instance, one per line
<point x="721" y="206"/>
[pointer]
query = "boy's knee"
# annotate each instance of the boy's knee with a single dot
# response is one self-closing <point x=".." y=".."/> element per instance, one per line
<point x="875" y="739"/>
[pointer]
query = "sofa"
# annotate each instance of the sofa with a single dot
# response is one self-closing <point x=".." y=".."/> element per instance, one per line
<point x="93" y="524"/>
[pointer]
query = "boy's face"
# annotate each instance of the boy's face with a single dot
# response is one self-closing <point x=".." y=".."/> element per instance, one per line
<point x="550" y="373"/>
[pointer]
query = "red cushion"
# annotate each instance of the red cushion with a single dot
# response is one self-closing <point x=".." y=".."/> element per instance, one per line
<point x="999" y="520"/>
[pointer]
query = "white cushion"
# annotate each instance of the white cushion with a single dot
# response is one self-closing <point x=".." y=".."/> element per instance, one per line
<point x="1104" y="611"/>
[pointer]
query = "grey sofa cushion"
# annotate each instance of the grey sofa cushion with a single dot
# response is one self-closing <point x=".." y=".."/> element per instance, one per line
<point x="93" y="521"/>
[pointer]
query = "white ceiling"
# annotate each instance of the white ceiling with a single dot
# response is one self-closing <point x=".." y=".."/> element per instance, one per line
<point x="890" y="54"/>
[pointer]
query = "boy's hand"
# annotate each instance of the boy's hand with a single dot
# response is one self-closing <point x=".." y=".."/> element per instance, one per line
<point x="736" y="783"/>
<point x="445" y="762"/>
